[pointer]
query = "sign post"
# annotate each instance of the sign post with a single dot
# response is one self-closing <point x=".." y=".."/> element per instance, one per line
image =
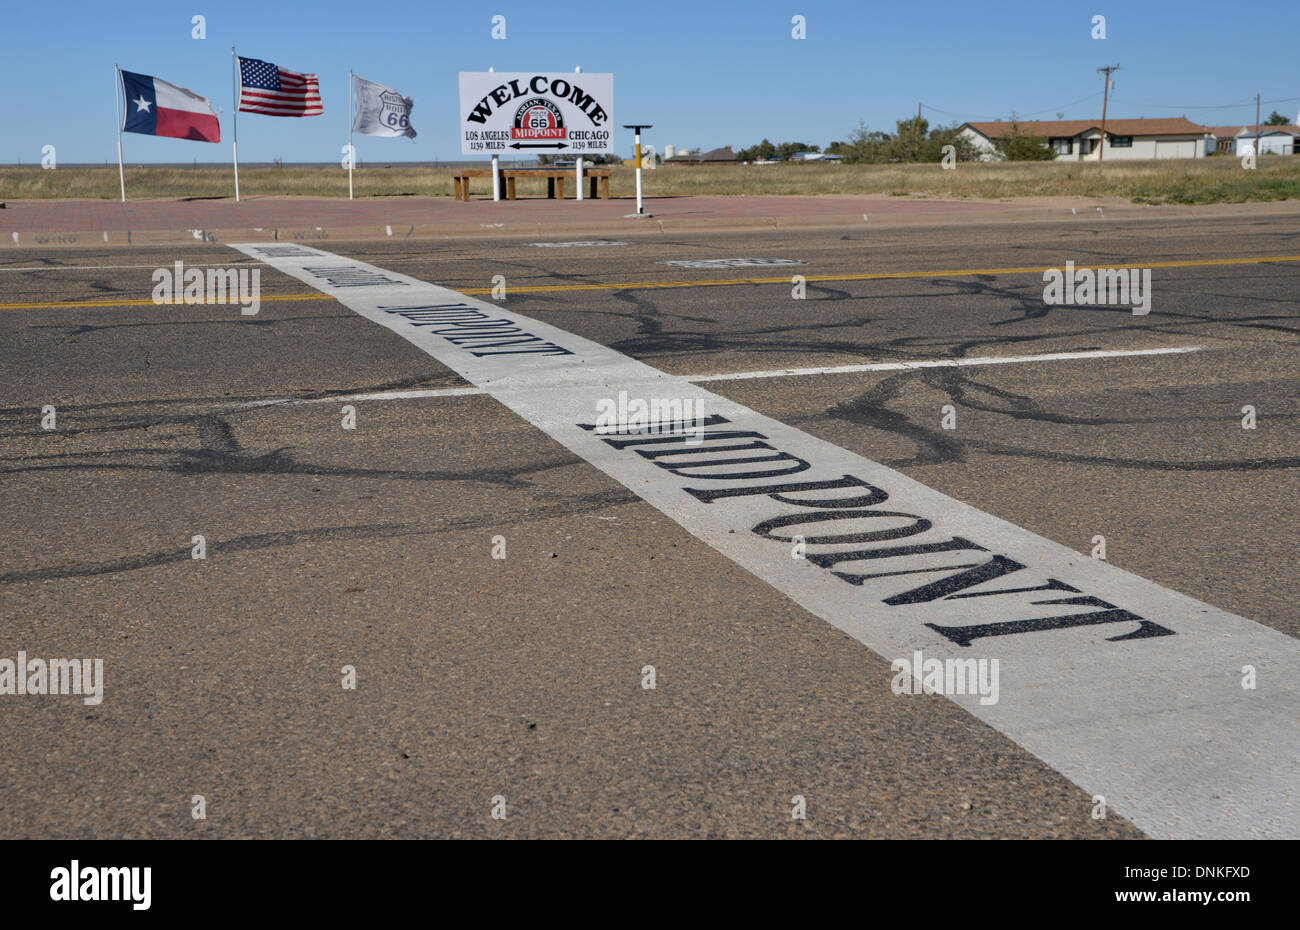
<point x="637" y="127"/>
<point x="496" y="171"/>
<point x="352" y="152"/>
<point x="578" y="160"/>
<point x="528" y="111"/>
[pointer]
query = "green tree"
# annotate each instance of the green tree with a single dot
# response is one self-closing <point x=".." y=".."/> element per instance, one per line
<point x="766" y="149"/>
<point x="863" y="147"/>
<point x="910" y="138"/>
<point x="786" y="149"/>
<point x="763" y="150"/>
<point x="915" y="141"/>
<point x="940" y="136"/>
<point x="1276" y="119"/>
<point x="1019" y="144"/>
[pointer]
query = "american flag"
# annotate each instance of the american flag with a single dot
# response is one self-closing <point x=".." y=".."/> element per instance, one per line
<point x="274" y="91"/>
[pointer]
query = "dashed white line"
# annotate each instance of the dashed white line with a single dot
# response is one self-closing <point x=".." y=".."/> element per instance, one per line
<point x="943" y="363"/>
<point x="113" y="267"/>
<point x="424" y="393"/>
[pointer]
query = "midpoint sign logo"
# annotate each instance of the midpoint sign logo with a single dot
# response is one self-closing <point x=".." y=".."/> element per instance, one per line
<point x="538" y="119"/>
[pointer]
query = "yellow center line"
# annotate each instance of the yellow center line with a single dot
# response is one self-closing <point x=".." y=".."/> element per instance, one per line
<point x="728" y="282"/>
<point x="873" y="276"/>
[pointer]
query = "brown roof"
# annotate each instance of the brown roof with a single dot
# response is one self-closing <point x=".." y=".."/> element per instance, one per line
<point x="1177" y="126"/>
<point x="1229" y="132"/>
<point x="722" y="154"/>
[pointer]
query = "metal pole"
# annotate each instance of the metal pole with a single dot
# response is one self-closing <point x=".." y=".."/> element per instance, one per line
<point x="118" y="108"/>
<point x="496" y="173"/>
<point x="578" y="162"/>
<point x="234" y="116"/>
<point x="637" y="127"/>
<point x="352" y="153"/>
<point x="638" y="172"/>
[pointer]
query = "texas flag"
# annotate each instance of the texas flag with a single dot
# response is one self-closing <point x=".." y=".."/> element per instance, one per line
<point x="156" y="108"/>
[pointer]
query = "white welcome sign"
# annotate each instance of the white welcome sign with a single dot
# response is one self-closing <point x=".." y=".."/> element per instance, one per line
<point x="531" y="113"/>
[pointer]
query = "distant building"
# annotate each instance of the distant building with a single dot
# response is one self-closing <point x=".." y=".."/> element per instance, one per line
<point x="723" y="156"/>
<point x="1081" y="140"/>
<point x="1238" y="140"/>
<point x="814" y="156"/>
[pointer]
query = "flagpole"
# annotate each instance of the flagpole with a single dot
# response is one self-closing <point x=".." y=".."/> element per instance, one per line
<point x="234" y="79"/>
<point x="352" y="153"/>
<point x="117" y="108"/>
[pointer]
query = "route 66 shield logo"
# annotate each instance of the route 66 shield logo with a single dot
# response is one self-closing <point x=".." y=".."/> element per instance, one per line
<point x="395" y="111"/>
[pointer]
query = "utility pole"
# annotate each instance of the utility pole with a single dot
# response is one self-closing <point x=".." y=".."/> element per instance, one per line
<point x="1257" y="128"/>
<point x="919" y="140"/>
<point x="1105" y="98"/>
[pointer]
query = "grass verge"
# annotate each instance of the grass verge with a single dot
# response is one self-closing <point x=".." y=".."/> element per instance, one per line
<point x="1208" y="180"/>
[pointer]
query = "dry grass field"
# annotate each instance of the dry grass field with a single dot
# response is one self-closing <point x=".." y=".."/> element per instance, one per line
<point x="1209" y="180"/>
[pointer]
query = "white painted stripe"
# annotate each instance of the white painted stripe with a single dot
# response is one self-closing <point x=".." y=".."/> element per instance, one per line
<point x="346" y="398"/>
<point x="584" y="243"/>
<point x="1129" y="689"/>
<point x="941" y="363"/>
<point x="747" y="375"/>
<point x="400" y="395"/>
<point x="115" y="267"/>
<point x="732" y="262"/>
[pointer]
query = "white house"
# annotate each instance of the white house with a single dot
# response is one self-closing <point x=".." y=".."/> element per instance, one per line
<point x="1081" y="140"/>
<point x="1238" y="140"/>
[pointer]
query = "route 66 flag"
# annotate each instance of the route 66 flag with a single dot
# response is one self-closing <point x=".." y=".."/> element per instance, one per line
<point x="380" y="110"/>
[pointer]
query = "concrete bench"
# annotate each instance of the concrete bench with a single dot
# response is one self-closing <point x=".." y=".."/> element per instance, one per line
<point x="554" y="177"/>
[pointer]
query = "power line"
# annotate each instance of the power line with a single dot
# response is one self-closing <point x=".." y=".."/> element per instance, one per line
<point x="1182" y="106"/>
<point x="1063" y="106"/>
<point x="937" y="110"/>
<point x="1158" y="106"/>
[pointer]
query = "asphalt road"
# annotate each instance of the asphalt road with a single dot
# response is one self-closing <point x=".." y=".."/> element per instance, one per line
<point x="521" y="677"/>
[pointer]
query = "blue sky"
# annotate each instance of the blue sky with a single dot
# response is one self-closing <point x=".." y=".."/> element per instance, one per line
<point x="704" y="73"/>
